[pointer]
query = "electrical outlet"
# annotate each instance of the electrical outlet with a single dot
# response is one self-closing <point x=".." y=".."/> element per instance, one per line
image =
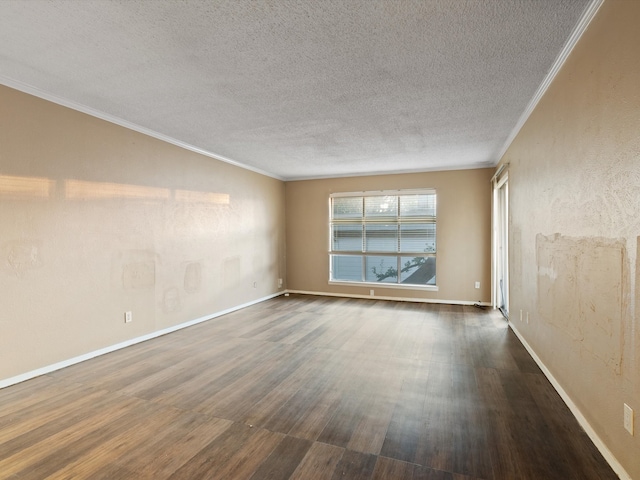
<point x="279" y="283"/>
<point x="371" y="292"/>
<point x="255" y="284"/>
<point x="477" y="284"/>
<point x="628" y="418"/>
<point x="128" y="317"/>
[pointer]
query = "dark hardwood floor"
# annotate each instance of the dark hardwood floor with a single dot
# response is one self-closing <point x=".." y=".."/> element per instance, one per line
<point x="303" y="387"/>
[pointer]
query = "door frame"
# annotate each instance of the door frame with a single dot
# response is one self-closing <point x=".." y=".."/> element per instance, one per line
<point x="500" y="242"/>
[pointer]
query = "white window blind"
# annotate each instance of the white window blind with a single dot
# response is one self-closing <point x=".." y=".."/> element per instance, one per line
<point x="383" y="237"/>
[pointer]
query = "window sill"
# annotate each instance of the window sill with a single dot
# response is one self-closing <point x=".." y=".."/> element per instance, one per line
<point x="399" y="286"/>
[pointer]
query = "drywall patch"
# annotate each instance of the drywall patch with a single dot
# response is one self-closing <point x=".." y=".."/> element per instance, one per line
<point x="21" y="256"/>
<point x="134" y="270"/>
<point x="139" y="275"/>
<point x="171" y="300"/>
<point x="192" y="277"/>
<point x="581" y="292"/>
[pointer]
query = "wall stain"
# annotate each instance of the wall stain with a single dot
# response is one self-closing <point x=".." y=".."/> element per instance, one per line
<point x="171" y="300"/>
<point x="134" y="270"/>
<point x="192" y="277"/>
<point x="139" y="275"/>
<point x="22" y="256"/>
<point x="582" y="284"/>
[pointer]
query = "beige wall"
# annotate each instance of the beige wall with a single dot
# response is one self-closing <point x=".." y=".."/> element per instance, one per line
<point x="96" y="220"/>
<point x="463" y="233"/>
<point x="574" y="180"/>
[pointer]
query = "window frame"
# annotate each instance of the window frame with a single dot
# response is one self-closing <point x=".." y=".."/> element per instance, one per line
<point x="398" y="221"/>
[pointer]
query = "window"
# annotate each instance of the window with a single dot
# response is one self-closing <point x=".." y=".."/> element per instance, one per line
<point x="384" y="237"/>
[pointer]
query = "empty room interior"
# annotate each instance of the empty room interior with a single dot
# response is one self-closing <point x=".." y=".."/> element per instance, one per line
<point x="386" y="239"/>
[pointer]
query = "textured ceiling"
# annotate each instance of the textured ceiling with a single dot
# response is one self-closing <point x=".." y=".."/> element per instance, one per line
<point x="297" y="88"/>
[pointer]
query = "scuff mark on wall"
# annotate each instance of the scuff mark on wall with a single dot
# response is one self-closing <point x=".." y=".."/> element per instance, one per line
<point x="582" y="283"/>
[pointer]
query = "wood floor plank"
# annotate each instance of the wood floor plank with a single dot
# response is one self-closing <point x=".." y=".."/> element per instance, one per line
<point x="369" y="433"/>
<point x="347" y="414"/>
<point x="284" y="460"/>
<point x="213" y="378"/>
<point x="307" y="324"/>
<point x="32" y="425"/>
<point x="506" y="457"/>
<point x="523" y="360"/>
<point x="319" y="463"/>
<point x="268" y="406"/>
<point x="216" y="453"/>
<point x="112" y="450"/>
<point x="317" y="409"/>
<point x="389" y="468"/>
<point x="104" y="365"/>
<point x="305" y="413"/>
<point x="355" y="466"/>
<point x="20" y="418"/>
<point x="78" y="451"/>
<point x="40" y="452"/>
<point x="381" y="388"/>
<point x="186" y="368"/>
<point x="471" y="454"/>
<point x="533" y="455"/>
<point x="583" y="459"/>
<point x="403" y="434"/>
<point x="435" y="443"/>
<point x="24" y="391"/>
<point x="337" y="413"/>
<point x="170" y="450"/>
<point x="366" y="329"/>
<point x="235" y="400"/>
<point x="246" y="460"/>
<point x="303" y="387"/>
<point x="274" y="322"/>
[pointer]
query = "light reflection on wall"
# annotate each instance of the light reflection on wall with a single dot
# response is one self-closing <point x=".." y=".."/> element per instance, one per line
<point x="190" y="196"/>
<point x="13" y="187"/>
<point x="85" y="190"/>
<point x="20" y="188"/>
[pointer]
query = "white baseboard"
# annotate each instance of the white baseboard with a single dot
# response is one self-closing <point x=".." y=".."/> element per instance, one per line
<point x="397" y="299"/>
<point x="127" y="343"/>
<point x="600" y="445"/>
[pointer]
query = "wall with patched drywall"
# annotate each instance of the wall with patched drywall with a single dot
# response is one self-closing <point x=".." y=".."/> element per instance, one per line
<point x="96" y="220"/>
<point x="574" y="182"/>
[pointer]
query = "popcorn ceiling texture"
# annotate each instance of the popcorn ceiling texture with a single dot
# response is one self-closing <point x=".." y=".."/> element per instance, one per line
<point x="303" y="88"/>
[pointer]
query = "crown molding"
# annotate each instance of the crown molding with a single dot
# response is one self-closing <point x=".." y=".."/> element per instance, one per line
<point x="588" y="14"/>
<point x="37" y="92"/>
